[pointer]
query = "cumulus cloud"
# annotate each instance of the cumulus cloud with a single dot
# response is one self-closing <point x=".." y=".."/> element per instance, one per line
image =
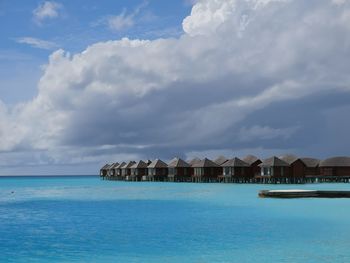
<point x="46" y="10"/>
<point x="245" y="74"/>
<point x="37" y="43"/>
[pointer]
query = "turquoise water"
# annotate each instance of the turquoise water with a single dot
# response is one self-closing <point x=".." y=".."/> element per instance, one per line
<point x="88" y="220"/>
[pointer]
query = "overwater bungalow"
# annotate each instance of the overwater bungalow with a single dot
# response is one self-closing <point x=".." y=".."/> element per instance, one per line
<point x="274" y="167"/>
<point x="335" y="167"/>
<point x="296" y="165"/>
<point x="235" y="170"/>
<point x="157" y="170"/>
<point x="191" y="162"/>
<point x="126" y="170"/>
<point x="104" y="170"/>
<point x="112" y="169"/>
<point x="138" y="171"/>
<point x="118" y="170"/>
<point x="301" y="167"/>
<point x="311" y="166"/>
<point x="253" y="162"/>
<point x="206" y="171"/>
<point x="179" y="171"/>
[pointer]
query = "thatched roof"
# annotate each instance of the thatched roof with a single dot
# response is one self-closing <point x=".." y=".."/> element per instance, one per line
<point x="339" y="161"/>
<point x="178" y="162"/>
<point x="250" y="159"/>
<point x="221" y="159"/>
<point x="273" y="162"/>
<point x="139" y="164"/>
<point x="193" y="161"/>
<point x="289" y="158"/>
<point x="105" y="167"/>
<point x="235" y="162"/>
<point x="310" y="162"/>
<point x="129" y="164"/>
<point x="158" y="164"/>
<point x="205" y="163"/>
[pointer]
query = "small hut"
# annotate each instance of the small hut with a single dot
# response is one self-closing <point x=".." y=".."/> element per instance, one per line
<point x="274" y="167"/>
<point x="104" y="170"/>
<point x="138" y="171"/>
<point x="191" y="162"/>
<point x="179" y="171"/>
<point x="253" y="162"/>
<point x="297" y="167"/>
<point x="126" y="170"/>
<point x="311" y="166"/>
<point x="118" y="170"/>
<point x="235" y="170"/>
<point x="335" y="166"/>
<point x="157" y="170"/>
<point x="206" y="171"/>
<point x="112" y="169"/>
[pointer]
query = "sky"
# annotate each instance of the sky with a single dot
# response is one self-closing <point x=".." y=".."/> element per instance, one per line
<point x="83" y="83"/>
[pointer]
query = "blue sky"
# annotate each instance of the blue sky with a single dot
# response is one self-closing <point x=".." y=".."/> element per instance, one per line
<point x="77" y="25"/>
<point x="87" y="82"/>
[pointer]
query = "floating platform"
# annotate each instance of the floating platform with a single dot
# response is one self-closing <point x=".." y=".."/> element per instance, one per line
<point x="304" y="194"/>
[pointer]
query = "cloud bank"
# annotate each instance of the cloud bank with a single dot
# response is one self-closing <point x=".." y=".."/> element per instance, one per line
<point x="246" y="75"/>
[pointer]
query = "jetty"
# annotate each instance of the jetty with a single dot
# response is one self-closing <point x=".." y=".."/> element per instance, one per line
<point x="303" y="194"/>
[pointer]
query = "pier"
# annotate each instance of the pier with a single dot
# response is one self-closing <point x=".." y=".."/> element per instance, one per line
<point x="303" y="194"/>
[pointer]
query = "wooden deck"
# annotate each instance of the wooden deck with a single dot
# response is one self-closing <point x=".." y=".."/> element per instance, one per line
<point x="303" y="194"/>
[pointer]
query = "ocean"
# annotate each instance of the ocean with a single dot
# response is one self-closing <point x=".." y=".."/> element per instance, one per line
<point x="85" y="219"/>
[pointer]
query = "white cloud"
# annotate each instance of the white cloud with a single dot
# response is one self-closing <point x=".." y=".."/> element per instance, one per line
<point x="125" y="20"/>
<point x="121" y="21"/>
<point x="46" y="10"/>
<point x="37" y="43"/>
<point x="227" y="82"/>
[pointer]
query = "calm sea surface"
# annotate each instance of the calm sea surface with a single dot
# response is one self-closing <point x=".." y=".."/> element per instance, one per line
<point x="84" y="219"/>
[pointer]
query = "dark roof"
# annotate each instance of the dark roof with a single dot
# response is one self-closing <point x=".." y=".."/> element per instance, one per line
<point x="220" y="160"/>
<point x="205" y="163"/>
<point x="114" y="166"/>
<point x="129" y="164"/>
<point x="105" y="167"/>
<point x="235" y="162"/>
<point x="121" y="165"/>
<point x="158" y="164"/>
<point x="310" y="162"/>
<point x="336" y="161"/>
<point x="193" y="161"/>
<point x="289" y="158"/>
<point x="274" y="161"/>
<point x="178" y="162"/>
<point x="139" y="164"/>
<point x="250" y="159"/>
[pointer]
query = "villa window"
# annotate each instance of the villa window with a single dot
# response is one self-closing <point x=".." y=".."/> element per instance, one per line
<point x="172" y="171"/>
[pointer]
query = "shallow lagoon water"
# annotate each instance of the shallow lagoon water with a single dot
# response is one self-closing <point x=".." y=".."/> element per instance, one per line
<point x="85" y="219"/>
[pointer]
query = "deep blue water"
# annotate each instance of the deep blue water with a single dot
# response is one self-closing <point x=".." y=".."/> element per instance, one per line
<point x="84" y="219"/>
